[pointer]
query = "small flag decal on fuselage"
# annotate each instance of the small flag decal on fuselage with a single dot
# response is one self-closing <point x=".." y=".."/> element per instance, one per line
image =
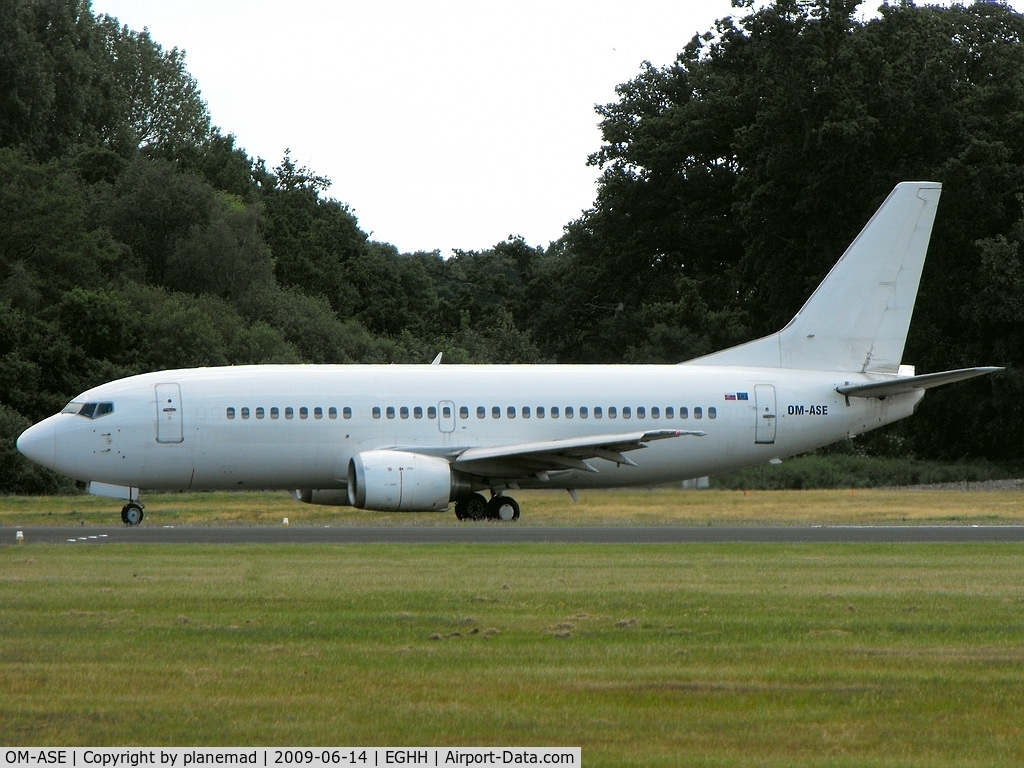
<point x="736" y="396"/>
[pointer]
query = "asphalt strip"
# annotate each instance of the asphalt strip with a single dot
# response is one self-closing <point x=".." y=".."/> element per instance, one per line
<point x="499" y="533"/>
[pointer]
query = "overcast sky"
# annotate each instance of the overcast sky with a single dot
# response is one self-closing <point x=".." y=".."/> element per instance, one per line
<point x="442" y="123"/>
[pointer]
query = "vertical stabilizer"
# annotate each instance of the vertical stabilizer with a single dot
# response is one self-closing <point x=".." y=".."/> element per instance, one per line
<point x="857" y="319"/>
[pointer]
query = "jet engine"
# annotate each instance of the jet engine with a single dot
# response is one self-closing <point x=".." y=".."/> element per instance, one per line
<point x="402" y="481"/>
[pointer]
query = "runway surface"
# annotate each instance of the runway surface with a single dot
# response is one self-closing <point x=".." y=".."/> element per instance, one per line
<point x="496" y="533"/>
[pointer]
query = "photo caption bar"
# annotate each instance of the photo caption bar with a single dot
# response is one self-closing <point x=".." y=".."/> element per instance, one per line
<point x="285" y="757"/>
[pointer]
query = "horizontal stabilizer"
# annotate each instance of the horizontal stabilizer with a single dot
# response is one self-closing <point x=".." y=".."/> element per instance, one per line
<point x="901" y="386"/>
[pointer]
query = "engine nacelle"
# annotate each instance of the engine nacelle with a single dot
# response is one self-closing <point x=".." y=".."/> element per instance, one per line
<point x="400" y="481"/>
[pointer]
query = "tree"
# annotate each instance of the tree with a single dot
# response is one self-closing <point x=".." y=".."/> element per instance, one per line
<point x="733" y="179"/>
<point x="152" y="208"/>
<point x="225" y="255"/>
<point x="51" y="92"/>
<point x="156" y="102"/>
<point x="49" y="241"/>
<point x="310" y="237"/>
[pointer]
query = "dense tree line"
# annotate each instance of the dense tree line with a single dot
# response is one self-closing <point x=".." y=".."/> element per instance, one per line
<point x="135" y="235"/>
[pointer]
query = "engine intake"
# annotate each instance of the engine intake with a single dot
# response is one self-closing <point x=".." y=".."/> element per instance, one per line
<point x="401" y="481"/>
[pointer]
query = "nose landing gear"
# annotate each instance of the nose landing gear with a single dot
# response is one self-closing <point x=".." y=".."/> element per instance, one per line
<point x="131" y="513"/>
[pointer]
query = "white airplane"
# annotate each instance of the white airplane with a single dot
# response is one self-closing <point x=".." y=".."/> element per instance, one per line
<point x="417" y="437"/>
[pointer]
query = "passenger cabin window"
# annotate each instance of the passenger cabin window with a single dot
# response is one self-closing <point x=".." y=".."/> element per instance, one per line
<point x="231" y="412"/>
<point x="346" y="412"/>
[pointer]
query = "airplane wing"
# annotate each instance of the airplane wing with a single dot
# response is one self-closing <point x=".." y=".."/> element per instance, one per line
<point x="512" y="461"/>
<point x="901" y="386"/>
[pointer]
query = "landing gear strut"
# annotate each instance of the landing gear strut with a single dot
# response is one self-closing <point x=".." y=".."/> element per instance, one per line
<point x="131" y="513"/>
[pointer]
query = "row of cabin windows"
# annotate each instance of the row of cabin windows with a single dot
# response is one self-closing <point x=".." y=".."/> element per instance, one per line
<point x="288" y="412"/>
<point x="496" y="412"/>
<point x="541" y="412"/>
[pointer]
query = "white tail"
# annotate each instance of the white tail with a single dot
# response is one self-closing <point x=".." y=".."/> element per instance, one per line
<point x="857" y="319"/>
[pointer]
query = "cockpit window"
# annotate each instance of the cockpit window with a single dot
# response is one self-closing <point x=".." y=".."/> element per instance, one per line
<point x="89" y="410"/>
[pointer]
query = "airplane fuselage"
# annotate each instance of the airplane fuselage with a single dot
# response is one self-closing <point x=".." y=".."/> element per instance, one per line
<point x="293" y="427"/>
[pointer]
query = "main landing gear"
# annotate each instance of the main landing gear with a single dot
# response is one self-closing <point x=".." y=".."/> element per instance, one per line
<point x="131" y="513"/>
<point x="476" y="507"/>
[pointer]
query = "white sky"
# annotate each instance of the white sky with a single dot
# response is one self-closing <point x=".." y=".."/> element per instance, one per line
<point x="442" y="123"/>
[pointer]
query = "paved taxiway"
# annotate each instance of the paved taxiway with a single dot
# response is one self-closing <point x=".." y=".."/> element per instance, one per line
<point x="492" y="533"/>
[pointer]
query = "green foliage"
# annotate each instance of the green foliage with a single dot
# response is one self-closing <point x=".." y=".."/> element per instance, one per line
<point x="136" y="236"/>
<point x="850" y="470"/>
<point x="155" y="100"/>
<point x="749" y="164"/>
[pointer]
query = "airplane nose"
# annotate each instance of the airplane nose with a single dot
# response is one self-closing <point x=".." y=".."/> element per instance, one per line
<point x="39" y="443"/>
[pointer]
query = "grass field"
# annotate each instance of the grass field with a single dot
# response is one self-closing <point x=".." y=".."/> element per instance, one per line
<point x="656" y="506"/>
<point x="704" y="655"/>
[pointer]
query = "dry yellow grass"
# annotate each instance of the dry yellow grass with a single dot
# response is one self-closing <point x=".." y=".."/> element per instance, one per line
<point x="656" y="506"/>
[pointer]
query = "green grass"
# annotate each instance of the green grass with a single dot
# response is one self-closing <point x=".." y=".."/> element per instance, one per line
<point x="827" y="655"/>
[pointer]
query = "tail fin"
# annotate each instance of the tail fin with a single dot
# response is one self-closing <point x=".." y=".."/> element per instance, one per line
<point x="857" y="319"/>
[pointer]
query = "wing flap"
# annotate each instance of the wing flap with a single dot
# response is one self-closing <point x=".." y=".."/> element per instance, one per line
<point x="560" y="455"/>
